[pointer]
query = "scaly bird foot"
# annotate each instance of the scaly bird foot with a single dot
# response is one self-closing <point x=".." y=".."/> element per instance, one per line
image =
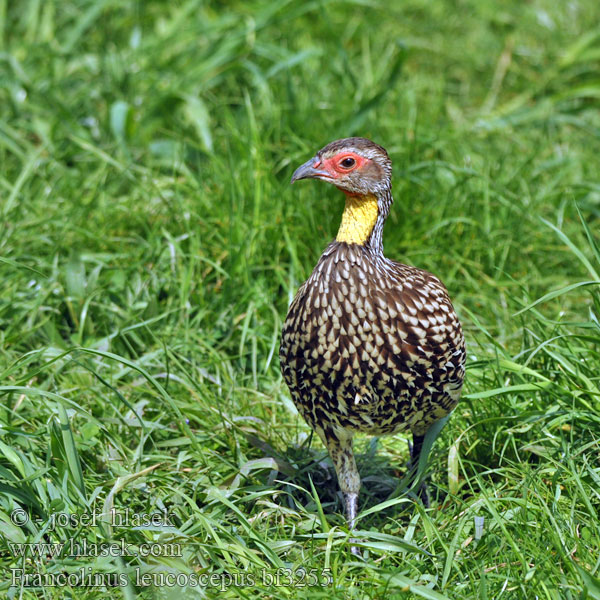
<point x="351" y="505"/>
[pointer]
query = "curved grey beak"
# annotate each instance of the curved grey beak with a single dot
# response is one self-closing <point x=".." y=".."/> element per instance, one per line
<point x="310" y="170"/>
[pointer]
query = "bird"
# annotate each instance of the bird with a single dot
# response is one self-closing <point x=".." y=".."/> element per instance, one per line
<point x="369" y="345"/>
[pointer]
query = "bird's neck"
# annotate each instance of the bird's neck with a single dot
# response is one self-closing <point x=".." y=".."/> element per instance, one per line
<point x="363" y="219"/>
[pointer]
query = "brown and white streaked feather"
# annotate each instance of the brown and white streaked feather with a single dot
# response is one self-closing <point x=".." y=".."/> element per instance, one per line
<point x="372" y="345"/>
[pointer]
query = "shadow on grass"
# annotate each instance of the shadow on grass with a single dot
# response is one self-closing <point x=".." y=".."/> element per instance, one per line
<point x="298" y="466"/>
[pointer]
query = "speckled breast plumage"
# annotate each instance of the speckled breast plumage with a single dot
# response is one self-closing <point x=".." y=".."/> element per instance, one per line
<point x="371" y="345"/>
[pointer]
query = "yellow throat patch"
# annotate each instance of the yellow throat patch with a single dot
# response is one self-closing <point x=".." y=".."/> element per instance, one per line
<point x="358" y="220"/>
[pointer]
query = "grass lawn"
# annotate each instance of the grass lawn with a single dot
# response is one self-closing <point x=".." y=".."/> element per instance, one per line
<point x="150" y="244"/>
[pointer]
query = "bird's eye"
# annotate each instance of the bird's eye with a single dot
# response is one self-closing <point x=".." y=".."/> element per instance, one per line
<point x="348" y="162"/>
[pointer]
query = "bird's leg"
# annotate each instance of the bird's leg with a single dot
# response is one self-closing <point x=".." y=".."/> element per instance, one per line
<point x="415" y="453"/>
<point x="415" y="449"/>
<point x="342" y="455"/>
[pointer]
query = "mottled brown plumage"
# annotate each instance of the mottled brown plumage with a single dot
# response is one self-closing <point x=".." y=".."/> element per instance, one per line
<point x="369" y="345"/>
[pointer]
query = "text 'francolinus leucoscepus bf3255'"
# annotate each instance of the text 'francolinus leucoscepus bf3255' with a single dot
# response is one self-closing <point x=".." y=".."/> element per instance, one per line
<point x="369" y="345"/>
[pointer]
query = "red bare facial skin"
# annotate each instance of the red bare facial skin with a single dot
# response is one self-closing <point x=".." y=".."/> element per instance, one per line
<point x="339" y="170"/>
<point x="335" y="168"/>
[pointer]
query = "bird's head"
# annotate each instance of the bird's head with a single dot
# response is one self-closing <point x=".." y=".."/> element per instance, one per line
<point x="357" y="166"/>
<point x="363" y="171"/>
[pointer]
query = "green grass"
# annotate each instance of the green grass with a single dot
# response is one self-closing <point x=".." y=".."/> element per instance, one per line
<point x="150" y="244"/>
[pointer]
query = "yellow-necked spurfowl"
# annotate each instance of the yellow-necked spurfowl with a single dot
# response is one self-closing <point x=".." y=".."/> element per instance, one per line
<point x="369" y="345"/>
